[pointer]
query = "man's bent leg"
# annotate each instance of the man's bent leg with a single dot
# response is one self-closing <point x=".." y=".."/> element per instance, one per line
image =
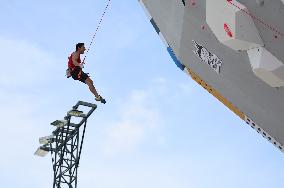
<point x="92" y="88"/>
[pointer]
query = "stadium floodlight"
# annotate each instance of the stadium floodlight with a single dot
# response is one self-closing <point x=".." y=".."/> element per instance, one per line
<point x="76" y="113"/>
<point x="46" y="139"/>
<point x="59" y="123"/>
<point x="41" y="151"/>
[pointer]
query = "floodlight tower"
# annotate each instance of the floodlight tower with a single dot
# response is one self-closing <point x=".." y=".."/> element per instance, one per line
<point x="65" y="145"/>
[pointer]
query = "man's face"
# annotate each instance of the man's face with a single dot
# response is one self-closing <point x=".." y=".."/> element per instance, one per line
<point x="82" y="50"/>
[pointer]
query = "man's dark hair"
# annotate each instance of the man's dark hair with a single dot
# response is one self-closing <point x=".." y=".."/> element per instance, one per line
<point x="79" y="45"/>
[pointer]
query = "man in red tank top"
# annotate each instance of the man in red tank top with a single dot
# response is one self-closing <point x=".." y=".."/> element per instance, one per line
<point x="75" y="69"/>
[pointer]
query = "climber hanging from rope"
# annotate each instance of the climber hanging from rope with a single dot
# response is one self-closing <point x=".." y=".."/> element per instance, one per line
<point x="75" y="71"/>
<point x="75" y="65"/>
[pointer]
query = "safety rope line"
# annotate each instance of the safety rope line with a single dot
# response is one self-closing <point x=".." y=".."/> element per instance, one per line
<point x="98" y="27"/>
<point x="275" y="30"/>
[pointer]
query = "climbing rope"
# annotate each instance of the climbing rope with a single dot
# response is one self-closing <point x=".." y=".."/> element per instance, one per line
<point x="98" y="27"/>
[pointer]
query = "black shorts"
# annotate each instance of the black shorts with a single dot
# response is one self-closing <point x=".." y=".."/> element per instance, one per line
<point x="78" y="74"/>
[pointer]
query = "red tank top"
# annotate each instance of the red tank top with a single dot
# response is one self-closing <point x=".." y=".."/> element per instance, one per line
<point x="70" y="62"/>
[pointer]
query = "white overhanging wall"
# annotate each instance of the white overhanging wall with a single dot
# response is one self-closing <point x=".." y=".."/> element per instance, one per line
<point x="234" y="27"/>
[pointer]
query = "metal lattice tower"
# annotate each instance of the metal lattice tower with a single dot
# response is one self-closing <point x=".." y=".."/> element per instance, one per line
<point x="65" y="145"/>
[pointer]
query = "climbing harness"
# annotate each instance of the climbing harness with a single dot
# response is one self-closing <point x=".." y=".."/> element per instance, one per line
<point x="68" y="71"/>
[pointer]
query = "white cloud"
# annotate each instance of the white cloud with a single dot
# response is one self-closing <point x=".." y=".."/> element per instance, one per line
<point x="139" y="174"/>
<point x="139" y="117"/>
<point x="20" y="129"/>
<point x="24" y="63"/>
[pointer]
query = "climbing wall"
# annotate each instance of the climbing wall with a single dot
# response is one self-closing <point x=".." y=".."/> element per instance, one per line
<point x="234" y="49"/>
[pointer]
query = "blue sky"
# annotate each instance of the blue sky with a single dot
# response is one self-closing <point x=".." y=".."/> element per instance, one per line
<point x="158" y="128"/>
